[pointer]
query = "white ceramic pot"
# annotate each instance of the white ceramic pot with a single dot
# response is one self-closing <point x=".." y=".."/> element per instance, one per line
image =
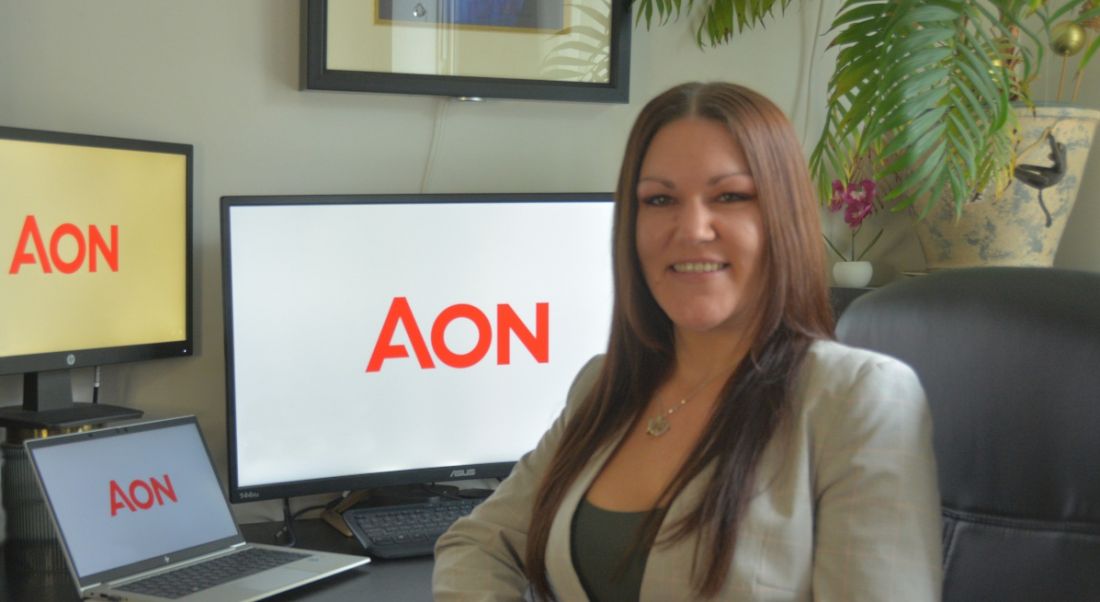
<point x="852" y="274"/>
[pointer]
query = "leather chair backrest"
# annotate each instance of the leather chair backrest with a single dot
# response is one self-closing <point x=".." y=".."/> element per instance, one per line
<point x="1010" y="361"/>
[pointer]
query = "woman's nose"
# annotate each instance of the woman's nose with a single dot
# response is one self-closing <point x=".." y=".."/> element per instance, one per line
<point x="696" y="222"/>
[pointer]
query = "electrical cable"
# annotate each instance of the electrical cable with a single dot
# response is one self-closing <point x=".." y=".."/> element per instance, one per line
<point x="458" y="494"/>
<point x="288" y="526"/>
<point x="808" y="79"/>
<point x="313" y="507"/>
<point x="289" y="518"/>
<point x="95" y="386"/>
<point x="440" y="491"/>
<point x="799" y="86"/>
<point x="437" y="127"/>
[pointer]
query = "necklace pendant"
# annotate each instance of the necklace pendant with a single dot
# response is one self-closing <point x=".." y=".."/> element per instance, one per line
<point x="657" y="426"/>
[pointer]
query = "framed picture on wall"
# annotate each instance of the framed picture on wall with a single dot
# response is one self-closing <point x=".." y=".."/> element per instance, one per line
<point x="571" y="50"/>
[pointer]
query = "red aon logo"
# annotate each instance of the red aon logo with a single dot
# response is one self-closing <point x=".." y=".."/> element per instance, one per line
<point x="142" y="494"/>
<point x="508" y="322"/>
<point x="32" y="248"/>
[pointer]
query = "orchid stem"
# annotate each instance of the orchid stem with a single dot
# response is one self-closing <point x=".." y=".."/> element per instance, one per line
<point x="834" y="249"/>
<point x="873" y="241"/>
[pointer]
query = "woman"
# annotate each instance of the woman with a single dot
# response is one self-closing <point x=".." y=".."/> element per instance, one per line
<point x="724" y="447"/>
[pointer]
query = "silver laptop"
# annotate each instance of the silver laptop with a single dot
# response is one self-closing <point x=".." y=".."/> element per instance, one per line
<point x="136" y="502"/>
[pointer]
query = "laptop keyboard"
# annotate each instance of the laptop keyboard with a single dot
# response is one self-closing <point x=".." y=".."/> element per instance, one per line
<point x="216" y="571"/>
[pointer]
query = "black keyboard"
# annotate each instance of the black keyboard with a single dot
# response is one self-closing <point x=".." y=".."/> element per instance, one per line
<point x="408" y="529"/>
<point x="209" y="573"/>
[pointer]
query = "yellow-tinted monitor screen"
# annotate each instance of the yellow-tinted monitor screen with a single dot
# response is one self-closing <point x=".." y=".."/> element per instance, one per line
<point x="94" y="250"/>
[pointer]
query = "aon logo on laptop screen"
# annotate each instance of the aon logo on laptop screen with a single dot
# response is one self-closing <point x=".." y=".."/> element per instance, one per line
<point x="125" y="498"/>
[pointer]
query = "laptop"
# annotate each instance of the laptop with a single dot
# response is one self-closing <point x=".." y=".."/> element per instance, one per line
<point x="137" y="505"/>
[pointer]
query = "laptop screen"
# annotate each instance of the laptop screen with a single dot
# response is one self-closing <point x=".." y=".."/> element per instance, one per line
<point x="128" y="494"/>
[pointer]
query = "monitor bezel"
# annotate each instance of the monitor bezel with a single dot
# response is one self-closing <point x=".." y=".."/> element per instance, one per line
<point x="80" y="358"/>
<point x="362" y="481"/>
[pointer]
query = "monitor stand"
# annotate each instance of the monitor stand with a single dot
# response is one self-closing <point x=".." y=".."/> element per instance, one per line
<point x="48" y="404"/>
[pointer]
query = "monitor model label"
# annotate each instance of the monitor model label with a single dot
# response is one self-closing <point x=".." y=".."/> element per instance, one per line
<point x="400" y="313"/>
<point x="69" y="248"/>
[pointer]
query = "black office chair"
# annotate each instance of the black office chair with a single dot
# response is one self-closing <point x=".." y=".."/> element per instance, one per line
<point x="1010" y="360"/>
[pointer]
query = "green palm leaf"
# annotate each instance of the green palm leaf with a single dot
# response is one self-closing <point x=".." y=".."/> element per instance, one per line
<point x="922" y="89"/>
<point x="909" y="116"/>
<point x="721" y="19"/>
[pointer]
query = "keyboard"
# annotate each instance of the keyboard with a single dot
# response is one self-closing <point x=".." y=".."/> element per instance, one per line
<point x="405" y="530"/>
<point x="209" y="573"/>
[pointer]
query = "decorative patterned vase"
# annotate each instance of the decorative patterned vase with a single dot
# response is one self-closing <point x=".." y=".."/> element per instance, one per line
<point x="1024" y="226"/>
<point x="852" y="274"/>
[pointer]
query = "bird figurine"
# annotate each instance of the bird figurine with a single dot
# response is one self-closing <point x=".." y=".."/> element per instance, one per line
<point x="1040" y="177"/>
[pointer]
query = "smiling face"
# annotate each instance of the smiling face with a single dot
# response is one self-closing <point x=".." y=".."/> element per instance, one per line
<point x="699" y="230"/>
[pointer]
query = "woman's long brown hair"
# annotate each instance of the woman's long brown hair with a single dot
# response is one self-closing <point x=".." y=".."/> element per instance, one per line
<point x="641" y="352"/>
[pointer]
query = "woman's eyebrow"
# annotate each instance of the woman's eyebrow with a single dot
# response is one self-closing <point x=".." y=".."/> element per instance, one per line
<point x="658" y="180"/>
<point x="733" y="174"/>
<point x="711" y="182"/>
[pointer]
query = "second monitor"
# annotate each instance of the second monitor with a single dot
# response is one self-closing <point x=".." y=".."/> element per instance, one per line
<point x="390" y="340"/>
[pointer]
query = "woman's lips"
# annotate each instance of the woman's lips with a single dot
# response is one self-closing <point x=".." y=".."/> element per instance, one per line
<point x="698" y="267"/>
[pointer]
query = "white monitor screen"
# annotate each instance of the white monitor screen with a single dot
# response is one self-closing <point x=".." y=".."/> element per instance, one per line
<point x="390" y="340"/>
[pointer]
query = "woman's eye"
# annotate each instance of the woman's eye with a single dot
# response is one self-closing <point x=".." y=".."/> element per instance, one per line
<point x="657" y="200"/>
<point x="733" y="197"/>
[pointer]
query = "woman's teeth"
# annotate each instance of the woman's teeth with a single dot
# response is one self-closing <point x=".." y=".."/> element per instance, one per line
<point x="697" y="266"/>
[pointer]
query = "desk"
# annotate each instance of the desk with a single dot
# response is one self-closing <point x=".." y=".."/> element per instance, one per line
<point x="383" y="581"/>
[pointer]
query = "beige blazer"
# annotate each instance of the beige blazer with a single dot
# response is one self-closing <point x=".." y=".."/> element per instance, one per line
<point x="848" y="508"/>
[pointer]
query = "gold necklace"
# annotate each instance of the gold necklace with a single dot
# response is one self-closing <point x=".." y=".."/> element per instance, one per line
<point x="658" y="425"/>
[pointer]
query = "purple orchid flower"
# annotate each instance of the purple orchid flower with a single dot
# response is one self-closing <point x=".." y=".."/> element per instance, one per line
<point x="857" y="200"/>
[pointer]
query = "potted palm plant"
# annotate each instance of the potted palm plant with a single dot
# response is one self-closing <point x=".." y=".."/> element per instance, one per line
<point x="928" y="96"/>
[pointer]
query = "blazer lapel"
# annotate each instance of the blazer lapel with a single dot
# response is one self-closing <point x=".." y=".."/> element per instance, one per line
<point x="559" y="548"/>
<point x="668" y="568"/>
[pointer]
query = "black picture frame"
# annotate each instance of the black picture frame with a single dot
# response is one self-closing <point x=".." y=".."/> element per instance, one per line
<point x="612" y="88"/>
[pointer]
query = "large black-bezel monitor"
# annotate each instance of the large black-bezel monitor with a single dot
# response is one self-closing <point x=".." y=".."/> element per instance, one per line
<point x="115" y="216"/>
<point x="310" y="276"/>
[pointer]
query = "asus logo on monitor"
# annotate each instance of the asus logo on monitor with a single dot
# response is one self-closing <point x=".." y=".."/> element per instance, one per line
<point x="32" y="248"/>
<point x="400" y="313"/>
<point x="142" y="494"/>
<point x="463" y="472"/>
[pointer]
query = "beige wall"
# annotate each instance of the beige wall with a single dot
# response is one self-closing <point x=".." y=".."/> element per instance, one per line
<point x="223" y="76"/>
<point x="1080" y="248"/>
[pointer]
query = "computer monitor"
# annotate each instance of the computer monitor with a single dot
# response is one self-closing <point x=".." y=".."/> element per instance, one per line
<point x="377" y="341"/>
<point x="95" y="253"/>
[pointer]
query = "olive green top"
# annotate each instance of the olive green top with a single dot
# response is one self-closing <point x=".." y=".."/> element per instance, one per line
<point x="603" y="555"/>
